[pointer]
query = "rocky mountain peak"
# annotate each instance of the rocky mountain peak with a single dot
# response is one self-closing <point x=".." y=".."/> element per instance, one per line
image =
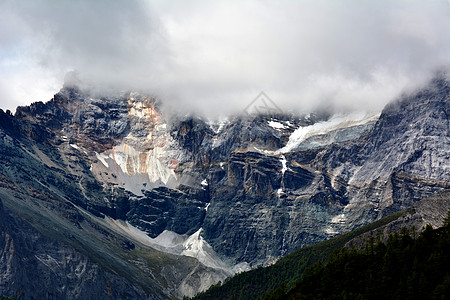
<point x="231" y="194"/>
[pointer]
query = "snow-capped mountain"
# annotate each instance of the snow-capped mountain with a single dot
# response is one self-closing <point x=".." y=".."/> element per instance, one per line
<point x="170" y="205"/>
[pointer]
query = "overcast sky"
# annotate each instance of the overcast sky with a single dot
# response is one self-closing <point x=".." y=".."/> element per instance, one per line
<point x="216" y="56"/>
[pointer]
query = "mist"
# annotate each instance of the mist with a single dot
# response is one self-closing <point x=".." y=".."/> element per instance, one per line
<point x="215" y="57"/>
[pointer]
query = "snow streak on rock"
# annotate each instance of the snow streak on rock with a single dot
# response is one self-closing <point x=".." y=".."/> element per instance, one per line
<point x="337" y="122"/>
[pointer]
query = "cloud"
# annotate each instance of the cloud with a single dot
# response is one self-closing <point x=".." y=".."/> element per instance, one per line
<point x="214" y="57"/>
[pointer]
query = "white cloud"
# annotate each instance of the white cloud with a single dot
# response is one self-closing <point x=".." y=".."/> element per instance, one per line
<point x="216" y="56"/>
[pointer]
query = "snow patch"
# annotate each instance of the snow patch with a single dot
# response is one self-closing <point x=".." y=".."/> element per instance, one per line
<point x="217" y="126"/>
<point x="74" y="146"/>
<point x="241" y="267"/>
<point x="195" y="246"/>
<point x="330" y="230"/>
<point x="266" y="152"/>
<point x="283" y="164"/>
<point x="221" y="126"/>
<point x="207" y="206"/>
<point x="171" y="242"/>
<point x="133" y="162"/>
<point x="168" y="239"/>
<point x="48" y="261"/>
<point x="102" y="158"/>
<point x="276" y="125"/>
<point x="336" y="122"/>
<point x="204" y="182"/>
<point x="339" y="219"/>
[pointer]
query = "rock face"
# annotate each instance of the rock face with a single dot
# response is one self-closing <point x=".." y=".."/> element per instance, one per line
<point x="211" y="198"/>
<point x="35" y="267"/>
<point x="269" y="204"/>
<point x="50" y="183"/>
<point x="429" y="211"/>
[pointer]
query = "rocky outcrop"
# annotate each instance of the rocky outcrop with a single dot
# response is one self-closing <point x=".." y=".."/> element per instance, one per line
<point x="166" y="209"/>
<point x="429" y="211"/>
<point x="410" y="137"/>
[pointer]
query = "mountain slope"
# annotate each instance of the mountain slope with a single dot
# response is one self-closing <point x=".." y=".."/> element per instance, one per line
<point x="53" y="191"/>
<point x="34" y="266"/>
<point x="404" y="267"/>
<point x="288" y="270"/>
<point x="309" y="194"/>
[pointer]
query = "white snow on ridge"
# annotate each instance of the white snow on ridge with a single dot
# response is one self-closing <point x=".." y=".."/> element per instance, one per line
<point x="337" y="122"/>
<point x="196" y="246"/>
<point x="204" y="184"/>
<point x="320" y="128"/>
<point x="276" y="125"/>
<point x="217" y="126"/>
<point x="171" y="242"/>
<point x="102" y="157"/>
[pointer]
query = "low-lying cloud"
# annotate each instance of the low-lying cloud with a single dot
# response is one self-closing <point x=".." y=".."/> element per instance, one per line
<point x="214" y="57"/>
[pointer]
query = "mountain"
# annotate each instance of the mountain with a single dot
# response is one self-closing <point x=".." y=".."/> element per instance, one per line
<point x="173" y="204"/>
<point x="403" y="267"/>
<point x="301" y="193"/>
<point x="287" y="272"/>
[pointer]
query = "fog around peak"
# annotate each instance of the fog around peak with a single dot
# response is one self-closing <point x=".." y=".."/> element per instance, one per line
<point x="215" y="57"/>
